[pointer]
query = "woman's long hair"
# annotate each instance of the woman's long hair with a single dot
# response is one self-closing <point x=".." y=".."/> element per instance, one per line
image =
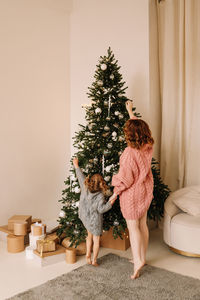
<point x="137" y="133"/>
<point x="96" y="183"/>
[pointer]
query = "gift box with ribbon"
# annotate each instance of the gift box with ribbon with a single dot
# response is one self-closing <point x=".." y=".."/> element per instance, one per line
<point x="38" y="229"/>
<point x="45" y="245"/>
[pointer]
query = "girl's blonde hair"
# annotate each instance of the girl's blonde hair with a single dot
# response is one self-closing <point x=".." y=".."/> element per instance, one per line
<point x="96" y="183"/>
<point x="137" y="133"/>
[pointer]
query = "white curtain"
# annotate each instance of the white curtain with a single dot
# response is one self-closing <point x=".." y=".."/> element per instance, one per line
<point x="179" y="71"/>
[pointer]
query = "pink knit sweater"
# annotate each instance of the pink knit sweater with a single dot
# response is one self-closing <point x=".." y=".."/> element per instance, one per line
<point x="134" y="182"/>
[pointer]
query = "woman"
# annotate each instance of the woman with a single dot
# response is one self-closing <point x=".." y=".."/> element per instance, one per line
<point x="134" y="185"/>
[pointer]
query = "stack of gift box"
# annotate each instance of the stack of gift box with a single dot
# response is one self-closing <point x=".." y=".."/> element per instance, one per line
<point x="23" y="231"/>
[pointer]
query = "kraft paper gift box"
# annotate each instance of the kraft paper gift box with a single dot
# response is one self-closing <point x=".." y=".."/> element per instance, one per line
<point x="45" y="245"/>
<point x="19" y="218"/>
<point x="38" y="229"/>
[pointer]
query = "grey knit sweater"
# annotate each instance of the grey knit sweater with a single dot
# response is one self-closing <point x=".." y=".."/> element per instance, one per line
<point x="91" y="207"/>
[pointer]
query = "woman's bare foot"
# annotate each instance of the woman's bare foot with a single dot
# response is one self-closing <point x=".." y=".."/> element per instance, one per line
<point x="137" y="269"/>
<point x="88" y="260"/>
<point x="95" y="264"/>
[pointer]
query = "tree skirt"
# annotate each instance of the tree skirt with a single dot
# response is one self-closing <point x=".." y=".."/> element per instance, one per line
<point x="111" y="280"/>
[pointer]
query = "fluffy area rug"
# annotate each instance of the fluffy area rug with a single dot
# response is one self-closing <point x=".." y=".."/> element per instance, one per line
<point x="111" y="280"/>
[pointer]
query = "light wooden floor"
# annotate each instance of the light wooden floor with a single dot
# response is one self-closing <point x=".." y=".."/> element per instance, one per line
<point x="18" y="274"/>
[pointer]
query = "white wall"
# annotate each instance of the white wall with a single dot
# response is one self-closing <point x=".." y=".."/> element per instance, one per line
<point x="123" y="25"/>
<point x="34" y="113"/>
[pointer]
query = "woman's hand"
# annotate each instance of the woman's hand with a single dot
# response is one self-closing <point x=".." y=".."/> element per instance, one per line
<point x="129" y="107"/>
<point x="75" y="162"/>
<point x="113" y="198"/>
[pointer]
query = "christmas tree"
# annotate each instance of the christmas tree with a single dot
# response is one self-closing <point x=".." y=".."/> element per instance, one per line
<point x="99" y="145"/>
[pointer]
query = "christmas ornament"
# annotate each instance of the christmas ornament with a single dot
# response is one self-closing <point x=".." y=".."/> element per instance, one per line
<point x="112" y="76"/>
<point x="95" y="160"/>
<point x="100" y="82"/>
<point x="121" y="116"/>
<point x="108" y="168"/>
<point x="116" y="125"/>
<point x="107" y="178"/>
<point x="121" y="138"/>
<point x="62" y="214"/>
<point x="77" y="203"/>
<point x="73" y="178"/>
<point x="98" y="110"/>
<point x="105" y="103"/>
<point x="90" y="166"/>
<point x="117" y="113"/>
<point x="106" y="128"/>
<point x="77" y="190"/>
<point x="105" y="134"/>
<point x="114" y="133"/>
<point x="109" y="145"/>
<point x="103" y="67"/>
<point x="76" y="231"/>
<point x="106" y="152"/>
<point x="116" y="223"/>
<point x="114" y="138"/>
<point x="108" y="118"/>
<point x="119" y="153"/>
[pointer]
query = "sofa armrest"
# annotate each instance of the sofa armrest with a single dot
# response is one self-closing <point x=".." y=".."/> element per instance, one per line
<point x="170" y="208"/>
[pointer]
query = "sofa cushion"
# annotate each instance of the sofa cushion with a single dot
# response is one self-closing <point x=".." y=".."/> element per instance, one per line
<point x="189" y="201"/>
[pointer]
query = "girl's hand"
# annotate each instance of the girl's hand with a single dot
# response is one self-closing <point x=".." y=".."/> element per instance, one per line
<point x="129" y="105"/>
<point x="75" y="162"/>
<point x="113" y="198"/>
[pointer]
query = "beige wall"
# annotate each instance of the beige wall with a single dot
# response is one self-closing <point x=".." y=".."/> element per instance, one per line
<point x="34" y="113"/>
<point x="123" y="25"/>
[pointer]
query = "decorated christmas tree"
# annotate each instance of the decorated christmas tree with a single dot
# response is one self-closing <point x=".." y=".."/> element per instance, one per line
<point x="99" y="145"/>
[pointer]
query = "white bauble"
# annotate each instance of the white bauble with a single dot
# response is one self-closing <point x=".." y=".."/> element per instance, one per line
<point x="121" y="116"/>
<point x="76" y="231"/>
<point x="114" y="138"/>
<point x="100" y="82"/>
<point x="103" y="67"/>
<point x="108" y="168"/>
<point x="116" y="223"/>
<point x="77" y="203"/>
<point x="105" y="103"/>
<point x="114" y="133"/>
<point x="107" y="178"/>
<point x="108" y="118"/>
<point x="117" y="113"/>
<point x="106" y="128"/>
<point x="112" y="76"/>
<point x="73" y="178"/>
<point x="110" y="145"/>
<point x="98" y="110"/>
<point x="62" y="214"/>
<point x="96" y="159"/>
<point x="77" y="190"/>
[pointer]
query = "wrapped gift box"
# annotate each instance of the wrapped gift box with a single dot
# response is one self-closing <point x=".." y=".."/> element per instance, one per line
<point x="20" y="228"/>
<point x="53" y="237"/>
<point x="15" y="243"/>
<point x="38" y="229"/>
<point x="49" y="258"/>
<point x="107" y="240"/>
<point x="80" y="249"/>
<point x="45" y="245"/>
<point x="19" y="218"/>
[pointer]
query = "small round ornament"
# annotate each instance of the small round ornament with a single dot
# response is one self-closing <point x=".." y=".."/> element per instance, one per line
<point x="77" y="190"/>
<point x="105" y="103"/>
<point x="117" y="113"/>
<point x="116" y="223"/>
<point x="73" y="178"/>
<point x="76" y="231"/>
<point x="112" y="76"/>
<point x="106" y="128"/>
<point x="114" y="138"/>
<point x="96" y="159"/>
<point x="107" y="178"/>
<point x="108" y="118"/>
<point x="110" y="145"/>
<point x="114" y="133"/>
<point x="62" y="214"/>
<point x="108" y="168"/>
<point x="100" y="82"/>
<point x="121" y="116"/>
<point x="98" y="110"/>
<point x="103" y="67"/>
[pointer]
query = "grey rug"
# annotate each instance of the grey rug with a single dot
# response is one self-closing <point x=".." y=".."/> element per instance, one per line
<point x="111" y="280"/>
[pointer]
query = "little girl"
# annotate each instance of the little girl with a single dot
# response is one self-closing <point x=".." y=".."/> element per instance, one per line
<point x="91" y="208"/>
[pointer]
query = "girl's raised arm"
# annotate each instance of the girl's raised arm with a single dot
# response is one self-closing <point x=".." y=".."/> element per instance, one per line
<point x="129" y="107"/>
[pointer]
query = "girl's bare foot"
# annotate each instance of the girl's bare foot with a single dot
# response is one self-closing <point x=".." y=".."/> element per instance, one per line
<point x="137" y="269"/>
<point x="95" y="264"/>
<point x="88" y="260"/>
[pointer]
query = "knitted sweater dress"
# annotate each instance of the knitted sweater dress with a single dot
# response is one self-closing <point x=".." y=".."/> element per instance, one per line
<point x="91" y="207"/>
<point x="134" y="182"/>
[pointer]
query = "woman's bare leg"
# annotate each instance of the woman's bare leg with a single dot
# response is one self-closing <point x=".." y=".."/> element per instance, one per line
<point x="96" y="243"/>
<point x="136" y="245"/>
<point x="89" y="247"/>
<point x="145" y="236"/>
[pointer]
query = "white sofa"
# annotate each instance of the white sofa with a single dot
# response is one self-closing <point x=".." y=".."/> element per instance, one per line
<point x="181" y="230"/>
